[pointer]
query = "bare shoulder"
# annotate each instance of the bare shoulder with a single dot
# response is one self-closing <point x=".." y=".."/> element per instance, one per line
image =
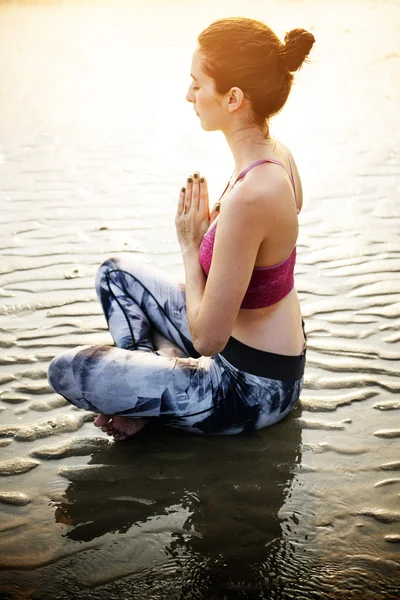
<point x="261" y="207"/>
<point x="255" y="192"/>
<point x="267" y="186"/>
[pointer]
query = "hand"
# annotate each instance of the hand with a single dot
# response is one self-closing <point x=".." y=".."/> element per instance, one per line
<point x="193" y="214"/>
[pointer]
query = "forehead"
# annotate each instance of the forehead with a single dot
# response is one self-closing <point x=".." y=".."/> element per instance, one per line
<point x="197" y="65"/>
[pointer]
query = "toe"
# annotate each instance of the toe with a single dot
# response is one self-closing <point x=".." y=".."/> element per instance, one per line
<point x="101" y="420"/>
<point x="128" y="426"/>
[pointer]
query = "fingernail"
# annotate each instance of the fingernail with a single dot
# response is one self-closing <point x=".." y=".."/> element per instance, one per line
<point x="189" y="180"/>
<point x="202" y="179"/>
<point x="183" y="190"/>
<point x="195" y="176"/>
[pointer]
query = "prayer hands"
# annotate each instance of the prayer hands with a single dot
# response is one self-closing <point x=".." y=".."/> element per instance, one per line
<point x="193" y="214"/>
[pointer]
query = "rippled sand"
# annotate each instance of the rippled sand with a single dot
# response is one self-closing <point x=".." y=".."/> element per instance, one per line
<point x="96" y="139"/>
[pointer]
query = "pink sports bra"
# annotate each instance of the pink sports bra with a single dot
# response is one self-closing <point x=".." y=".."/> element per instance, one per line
<point x="267" y="285"/>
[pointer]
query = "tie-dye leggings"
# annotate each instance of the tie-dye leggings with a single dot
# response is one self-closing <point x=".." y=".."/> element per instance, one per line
<point x="200" y="394"/>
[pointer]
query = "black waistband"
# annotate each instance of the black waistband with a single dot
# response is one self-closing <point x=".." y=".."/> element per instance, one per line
<point x="264" y="364"/>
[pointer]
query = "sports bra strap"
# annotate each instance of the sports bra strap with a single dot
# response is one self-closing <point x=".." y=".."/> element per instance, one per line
<point x="245" y="171"/>
<point x="276" y="162"/>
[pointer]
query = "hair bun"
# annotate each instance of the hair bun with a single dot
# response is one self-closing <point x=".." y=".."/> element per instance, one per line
<point x="298" y="43"/>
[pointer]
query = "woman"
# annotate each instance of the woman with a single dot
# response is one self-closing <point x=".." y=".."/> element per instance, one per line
<point x="235" y="355"/>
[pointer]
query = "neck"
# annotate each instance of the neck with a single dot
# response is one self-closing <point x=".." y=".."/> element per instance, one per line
<point x="247" y="145"/>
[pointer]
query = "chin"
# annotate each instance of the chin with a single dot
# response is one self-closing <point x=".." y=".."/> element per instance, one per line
<point x="207" y="127"/>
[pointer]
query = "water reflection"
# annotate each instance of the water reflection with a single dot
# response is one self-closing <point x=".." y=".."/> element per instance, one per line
<point x="93" y="153"/>
<point x="220" y="499"/>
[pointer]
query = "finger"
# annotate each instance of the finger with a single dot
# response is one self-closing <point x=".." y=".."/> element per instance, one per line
<point x="188" y="194"/>
<point x="181" y="201"/>
<point x="203" y="202"/>
<point x="196" y="191"/>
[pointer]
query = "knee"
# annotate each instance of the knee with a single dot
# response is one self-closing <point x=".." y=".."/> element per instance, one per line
<point x="108" y="265"/>
<point x="59" y="373"/>
<point x="72" y="374"/>
<point x="62" y="377"/>
<point x="110" y="270"/>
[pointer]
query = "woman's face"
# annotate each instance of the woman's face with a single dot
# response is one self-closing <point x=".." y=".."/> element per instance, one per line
<point x="201" y="93"/>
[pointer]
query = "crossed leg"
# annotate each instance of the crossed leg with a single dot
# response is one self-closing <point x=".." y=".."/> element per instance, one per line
<point x="139" y="304"/>
<point x="122" y="427"/>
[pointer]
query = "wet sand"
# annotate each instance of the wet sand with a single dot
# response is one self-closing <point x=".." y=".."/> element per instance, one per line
<point x="96" y="139"/>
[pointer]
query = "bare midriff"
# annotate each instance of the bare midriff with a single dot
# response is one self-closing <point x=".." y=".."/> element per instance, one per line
<point x="275" y="328"/>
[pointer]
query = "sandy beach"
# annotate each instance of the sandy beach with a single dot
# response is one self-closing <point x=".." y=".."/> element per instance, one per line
<point x="96" y="139"/>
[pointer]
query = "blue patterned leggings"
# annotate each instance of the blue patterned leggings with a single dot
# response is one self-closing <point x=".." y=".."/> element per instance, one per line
<point x="200" y="394"/>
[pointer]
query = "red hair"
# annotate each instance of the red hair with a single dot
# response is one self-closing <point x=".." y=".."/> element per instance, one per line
<point x="247" y="54"/>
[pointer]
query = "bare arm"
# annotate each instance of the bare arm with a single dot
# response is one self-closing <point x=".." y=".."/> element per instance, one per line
<point x="213" y="303"/>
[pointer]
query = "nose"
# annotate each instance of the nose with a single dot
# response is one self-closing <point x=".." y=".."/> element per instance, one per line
<point x="190" y="95"/>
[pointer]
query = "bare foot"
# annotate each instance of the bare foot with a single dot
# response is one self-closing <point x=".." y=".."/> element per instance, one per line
<point x="101" y="420"/>
<point x="119" y="427"/>
<point x="165" y="347"/>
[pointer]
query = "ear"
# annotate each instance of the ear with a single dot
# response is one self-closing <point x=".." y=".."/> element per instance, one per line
<point x="235" y="99"/>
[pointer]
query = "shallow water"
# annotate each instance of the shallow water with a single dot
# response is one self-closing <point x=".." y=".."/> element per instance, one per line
<point x="96" y="139"/>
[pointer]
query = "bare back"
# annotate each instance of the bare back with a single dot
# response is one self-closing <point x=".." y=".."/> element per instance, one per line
<point x="276" y="328"/>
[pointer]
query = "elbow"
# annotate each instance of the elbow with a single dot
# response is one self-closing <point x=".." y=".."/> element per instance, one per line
<point x="209" y="347"/>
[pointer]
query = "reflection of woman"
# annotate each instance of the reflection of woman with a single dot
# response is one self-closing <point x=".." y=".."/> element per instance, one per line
<point x="237" y="320"/>
<point x="222" y="526"/>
